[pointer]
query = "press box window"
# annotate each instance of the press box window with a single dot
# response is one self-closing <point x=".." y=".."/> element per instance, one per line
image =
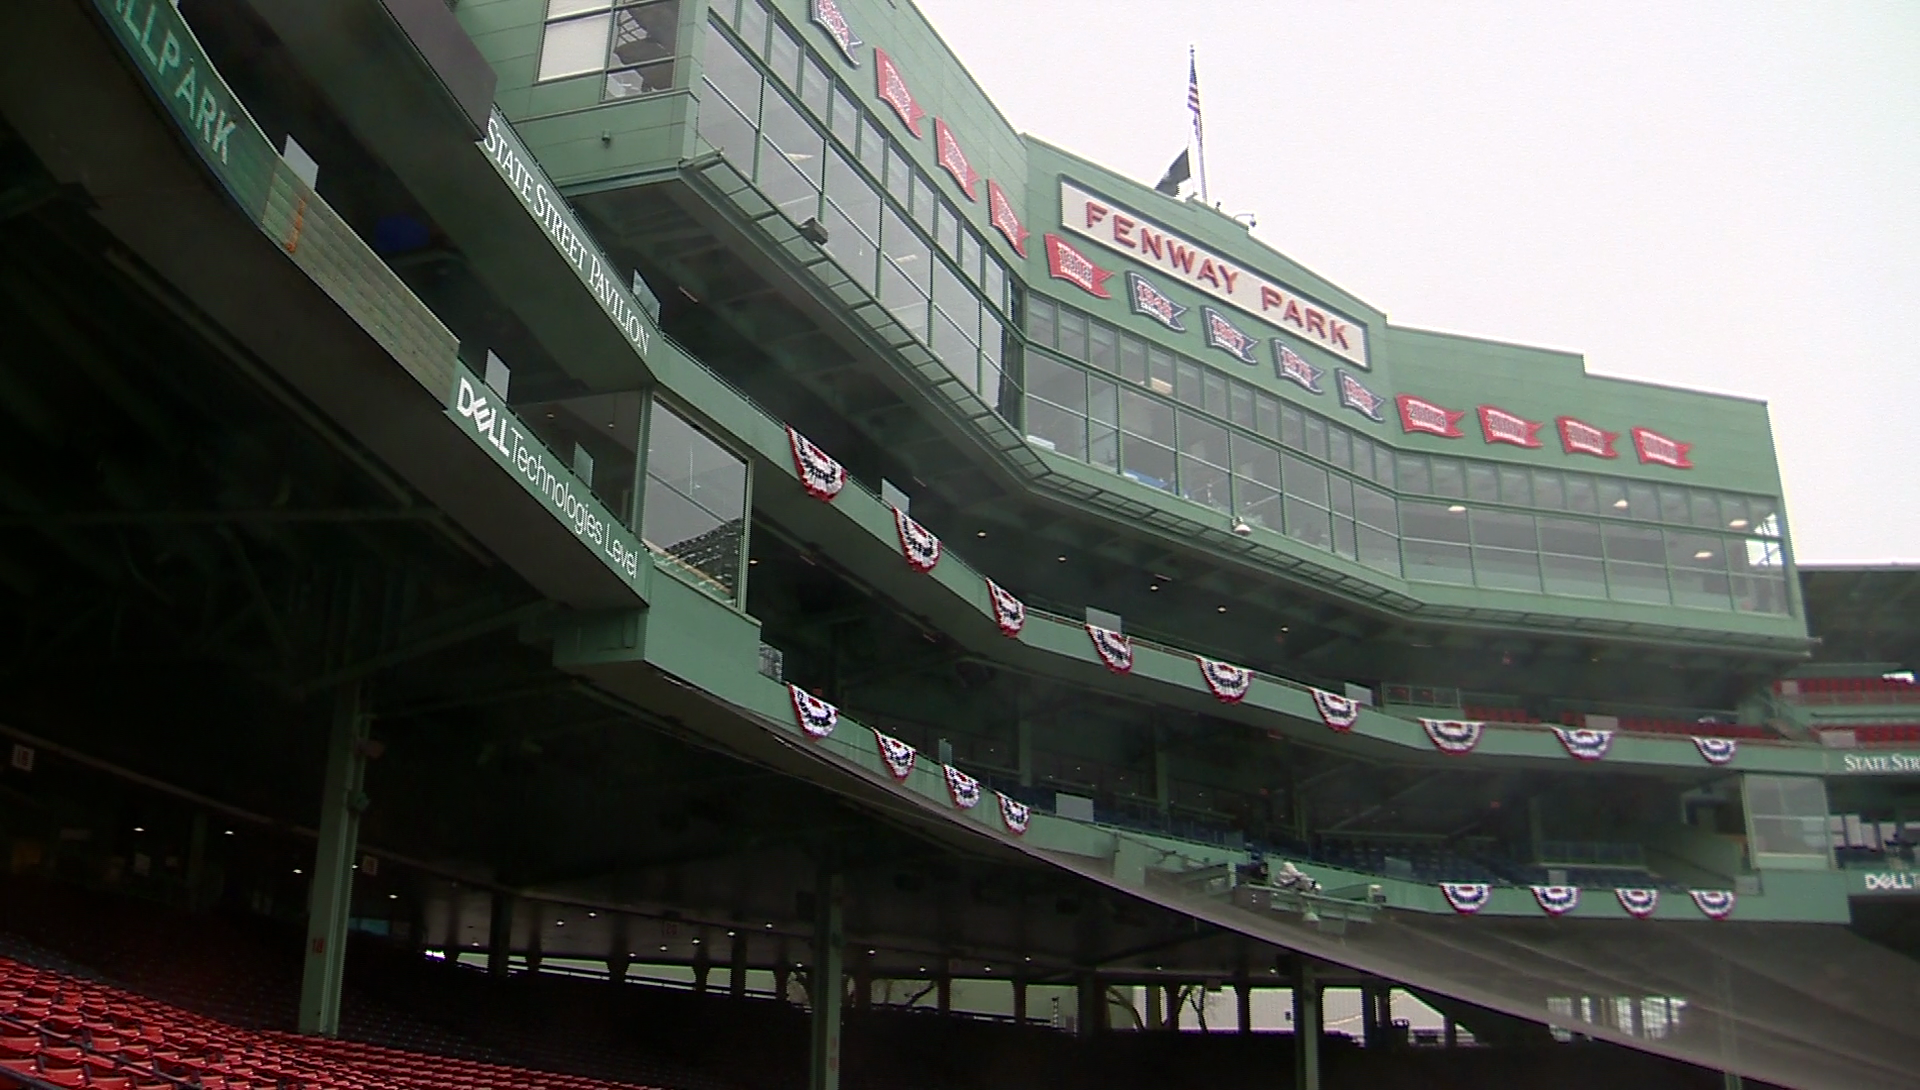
<point x="632" y="41"/>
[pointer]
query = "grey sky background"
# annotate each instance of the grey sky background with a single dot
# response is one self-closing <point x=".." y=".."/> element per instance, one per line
<point x="1720" y="195"/>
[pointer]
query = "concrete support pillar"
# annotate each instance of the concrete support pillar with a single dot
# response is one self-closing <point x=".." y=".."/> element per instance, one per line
<point x="1536" y="829"/>
<point x="534" y="954"/>
<point x="617" y="966"/>
<point x="1451" y="1029"/>
<point x="197" y="863"/>
<point x="1306" y="1028"/>
<point x="737" y="967"/>
<point x="702" y="965"/>
<point x="500" y="935"/>
<point x="1155" y="1014"/>
<point x="828" y="984"/>
<point x="943" y="986"/>
<point x="1731" y="1080"/>
<point x="1173" y="993"/>
<point x="342" y="800"/>
<point x="782" y="974"/>
<point x="1243" y="992"/>
<point x="1019" y="1001"/>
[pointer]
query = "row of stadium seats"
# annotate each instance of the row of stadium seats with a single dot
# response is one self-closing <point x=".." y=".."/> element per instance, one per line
<point x="1640" y="725"/>
<point x="1848" y="690"/>
<point x="1490" y="714"/>
<point x="67" y="1031"/>
<point x="1879" y="734"/>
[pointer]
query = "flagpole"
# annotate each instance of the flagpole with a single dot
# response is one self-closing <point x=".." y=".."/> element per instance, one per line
<point x="1199" y="130"/>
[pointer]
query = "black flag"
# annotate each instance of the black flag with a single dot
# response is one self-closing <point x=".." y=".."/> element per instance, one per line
<point x="1180" y="171"/>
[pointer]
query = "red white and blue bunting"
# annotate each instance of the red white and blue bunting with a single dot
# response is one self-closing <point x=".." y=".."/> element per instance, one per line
<point x="1015" y="813"/>
<point x="1716" y="751"/>
<point x="897" y="755"/>
<point x="1467" y="898"/>
<point x="964" y="789"/>
<point x="821" y="476"/>
<point x="1008" y="612"/>
<point x="1557" y="900"/>
<point x="1714" y="904"/>
<point x="1336" y="711"/>
<point x="1585" y="743"/>
<point x="1639" y="903"/>
<point x="1453" y="735"/>
<point x="1228" y="682"/>
<point x="917" y="543"/>
<point x="816" y="716"/>
<point x="1114" y="649"/>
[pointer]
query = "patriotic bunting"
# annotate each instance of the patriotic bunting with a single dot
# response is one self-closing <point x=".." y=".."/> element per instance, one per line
<point x="898" y="755"/>
<point x="826" y="14"/>
<point x="1557" y="900"/>
<point x="1066" y="263"/>
<point x="1467" y="898"/>
<point x="1585" y="743"/>
<point x="1421" y="415"/>
<point x="1228" y="682"/>
<point x="817" y="717"/>
<point x="1355" y="395"/>
<point x="821" y="476"/>
<point x="1580" y="437"/>
<point x="1008" y="612"/>
<point x="1144" y="298"/>
<point x="1716" y="751"/>
<point x="1227" y="337"/>
<point x="1114" y="649"/>
<point x="1293" y="367"/>
<point x="1336" y="711"/>
<point x="1714" y="904"/>
<point x="1000" y="213"/>
<point x="1500" y="426"/>
<point x="953" y="159"/>
<point x="964" y="789"/>
<point x="1657" y="449"/>
<point x="1015" y="813"/>
<point x="917" y="543"/>
<point x="1639" y="903"/>
<point x="1453" y="735"/>
<point x="892" y="90"/>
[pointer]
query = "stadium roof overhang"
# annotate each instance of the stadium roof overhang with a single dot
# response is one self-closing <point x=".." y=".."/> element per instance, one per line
<point x="1864" y="613"/>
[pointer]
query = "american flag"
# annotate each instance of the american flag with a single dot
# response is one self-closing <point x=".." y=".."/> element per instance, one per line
<point x="1193" y="91"/>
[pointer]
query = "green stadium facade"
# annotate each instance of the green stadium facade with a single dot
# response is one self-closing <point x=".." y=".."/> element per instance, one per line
<point x="693" y="462"/>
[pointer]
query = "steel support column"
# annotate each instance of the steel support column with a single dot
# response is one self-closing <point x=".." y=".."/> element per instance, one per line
<point x="1243" y="992"/>
<point x="1306" y="1028"/>
<point x="829" y="985"/>
<point x="499" y="936"/>
<point x="737" y="968"/>
<point x="341" y="802"/>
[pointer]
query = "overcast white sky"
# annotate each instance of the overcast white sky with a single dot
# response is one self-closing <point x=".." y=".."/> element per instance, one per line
<point x="1722" y="195"/>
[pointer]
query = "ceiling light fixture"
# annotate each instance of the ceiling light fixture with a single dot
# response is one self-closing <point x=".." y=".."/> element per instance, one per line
<point x="1456" y="508"/>
<point x="1704" y="554"/>
<point x="1240" y="527"/>
<point x="1738" y="524"/>
<point x="1620" y="503"/>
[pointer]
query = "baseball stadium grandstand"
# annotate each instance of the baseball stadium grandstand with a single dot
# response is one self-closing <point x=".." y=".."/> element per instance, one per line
<point x="660" y="543"/>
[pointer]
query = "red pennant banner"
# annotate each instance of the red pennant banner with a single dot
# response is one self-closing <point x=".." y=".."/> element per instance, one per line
<point x="949" y="156"/>
<point x="1419" y="414"/>
<point x="1000" y="213"/>
<point x="1066" y="263"/>
<point x="892" y="90"/>
<point x="1500" y="426"/>
<point x="1657" y="449"/>
<point x="1580" y="437"/>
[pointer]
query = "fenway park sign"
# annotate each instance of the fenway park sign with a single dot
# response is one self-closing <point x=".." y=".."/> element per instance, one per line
<point x="1125" y="231"/>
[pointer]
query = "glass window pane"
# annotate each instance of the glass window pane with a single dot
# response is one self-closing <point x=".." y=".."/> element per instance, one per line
<point x="1481" y="483"/>
<point x="1362" y="458"/>
<point x="1305" y="480"/>
<point x="1383" y="467"/>
<point x="1266" y="415"/>
<point x="1570" y="537"/>
<point x="733" y="74"/>
<point x="899" y="174"/>
<point x="1146" y="462"/>
<point x="558" y="9"/>
<point x="1339" y="448"/>
<point x="1056" y="429"/>
<point x="1414" y="477"/>
<point x="906" y="249"/>
<point x="1188" y="388"/>
<point x="1449" y="478"/>
<point x="1434" y="562"/>
<point x="903" y="299"/>
<point x="646" y="80"/>
<point x="1516" y="487"/>
<point x="1293" y="428"/>
<point x="1432" y="522"/>
<point x="993" y="282"/>
<point x="1241" y="396"/>
<point x="1316" y="436"/>
<point x="1379" y="550"/>
<point x="695" y="505"/>
<point x="1216" y="394"/>
<point x="946" y="228"/>
<point x="1204" y="483"/>
<point x="723" y="129"/>
<point x="1342" y="494"/>
<point x="1146" y="416"/>
<point x="1159" y="370"/>
<point x="1057" y="382"/>
<point x="1343" y="542"/>
<point x="793" y="134"/>
<point x="1641" y="503"/>
<point x="816" y="89"/>
<point x="1503" y="530"/>
<point x="574" y="47"/>
<point x="1674" y="507"/>
<point x="1634" y="543"/>
<point x="1256" y="461"/>
<point x="1612" y="496"/>
<point x="1103" y="447"/>
<point x="1572" y="575"/>
<point x="1073" y="333"/>
<point x="1638" y="582"/>
<point x="1103" y="401"/>
<point x="1133" y="359"/>
<point x="1040" y="320"/>
<point x="1309" y="523"/>
<point x="783" y="56"/>
<point x="1257" y="503"/>
<point x="1733" y="513"/>
<point x="845" y="122"/>
<point x="848" y="247"/>
<point x="1101" y="348"/>
<point x="854" y="196"/>
<point x="1581" y="494"/>
<point x="1506" y="569"/>
<point x="1375" y="508"/>
<point x="753" y="25"/>
<point x="645" y="33"/>
<point x="969" y="256"/>
<point x="1547" y="490"/>
<point x="925" y="199"/>
<point x="790" y="190"/>
<point x="951" y="294"/>
<point x="1203" y="439"/>
<point x="873" y="150"/>
<point x="1705" y="510"/>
